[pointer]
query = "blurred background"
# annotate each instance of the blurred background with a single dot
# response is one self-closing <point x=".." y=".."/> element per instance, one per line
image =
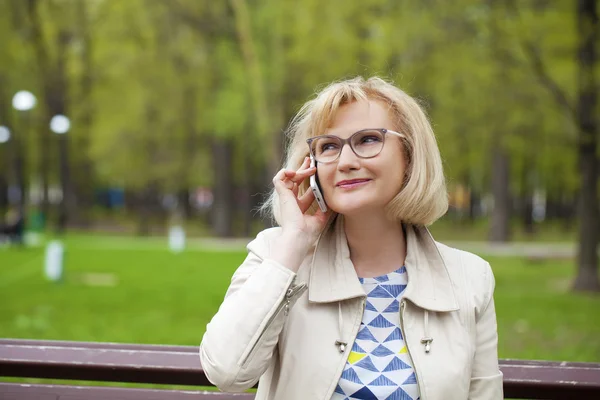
<point x="138" y="138"/>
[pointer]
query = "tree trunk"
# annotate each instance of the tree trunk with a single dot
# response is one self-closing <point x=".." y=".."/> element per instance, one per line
<point x="589" y="219"/>
<point x="527" y="202"/>
<point x="500" y="223"/>
<point x="259" y="101"/>
<point x="82" y="186"/>
<point x="144" y="206"/>
<point x="63" y="211"/>
<point x="57" y="105"/>
<point x="500" y="179"/>
<point x="46" y="72"/>
<point x="223" y="205"/>
<point x="21" y="174"/>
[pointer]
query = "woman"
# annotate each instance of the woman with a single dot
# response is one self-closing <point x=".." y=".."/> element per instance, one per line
<point x="358" y="302"/>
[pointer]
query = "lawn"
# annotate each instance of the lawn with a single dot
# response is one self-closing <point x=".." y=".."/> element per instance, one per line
<point x="136" y="291"/>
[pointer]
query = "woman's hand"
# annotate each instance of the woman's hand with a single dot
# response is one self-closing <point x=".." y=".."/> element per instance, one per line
<point x="293" y="218"/>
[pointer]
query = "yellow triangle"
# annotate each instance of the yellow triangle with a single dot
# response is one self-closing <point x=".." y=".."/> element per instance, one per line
<point x="355" y="357"/>
<point x="402" y="350"/>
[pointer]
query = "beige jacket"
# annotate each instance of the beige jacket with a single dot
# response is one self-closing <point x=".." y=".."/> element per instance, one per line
<point x="286" y="328"/>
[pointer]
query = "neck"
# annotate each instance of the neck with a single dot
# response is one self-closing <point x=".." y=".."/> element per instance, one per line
<point x="377" y="245"/>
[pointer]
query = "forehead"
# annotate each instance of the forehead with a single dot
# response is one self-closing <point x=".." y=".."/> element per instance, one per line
<point x="358" y="115"/>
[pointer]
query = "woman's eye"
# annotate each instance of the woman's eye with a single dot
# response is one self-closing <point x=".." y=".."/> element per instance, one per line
<point x="328" y="147"/>
<point x="370" y="139"/>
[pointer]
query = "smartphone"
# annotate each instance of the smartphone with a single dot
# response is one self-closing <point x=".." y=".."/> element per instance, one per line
<point x="316" y="187"/>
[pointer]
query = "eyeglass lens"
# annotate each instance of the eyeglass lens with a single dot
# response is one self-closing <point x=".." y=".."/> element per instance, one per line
<point x="365" y="144"/>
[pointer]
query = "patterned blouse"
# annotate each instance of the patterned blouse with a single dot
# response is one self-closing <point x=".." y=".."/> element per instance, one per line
<point x="378" y="365"/>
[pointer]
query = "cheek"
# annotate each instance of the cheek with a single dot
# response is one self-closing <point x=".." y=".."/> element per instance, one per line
<point x="325" y="179"/>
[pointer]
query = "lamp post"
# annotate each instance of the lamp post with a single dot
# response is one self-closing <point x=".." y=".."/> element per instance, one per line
<point x="60" y="125"/>
<point x="4" y="166"/>
<point x="22" y="101"/>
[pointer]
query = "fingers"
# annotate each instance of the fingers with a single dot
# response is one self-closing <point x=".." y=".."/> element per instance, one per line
<point x="303" y="172"/>
<point x="291" y="179"/>
<point x="305" y="201"/>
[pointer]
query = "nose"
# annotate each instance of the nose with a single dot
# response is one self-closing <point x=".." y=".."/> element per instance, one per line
<point x="348" y="160"/>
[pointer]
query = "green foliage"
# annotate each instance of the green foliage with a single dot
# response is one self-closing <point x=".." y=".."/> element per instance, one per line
<point x="169" y="77"/>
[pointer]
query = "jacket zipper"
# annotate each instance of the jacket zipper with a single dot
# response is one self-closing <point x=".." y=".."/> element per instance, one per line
<point x="293" y="292"/>
<point x="402" y="306"/>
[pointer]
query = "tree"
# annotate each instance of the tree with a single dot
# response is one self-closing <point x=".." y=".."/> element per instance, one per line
<point x="583" y="113"/>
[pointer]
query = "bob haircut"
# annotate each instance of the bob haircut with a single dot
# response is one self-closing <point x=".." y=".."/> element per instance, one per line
<point x="423" y="197"/>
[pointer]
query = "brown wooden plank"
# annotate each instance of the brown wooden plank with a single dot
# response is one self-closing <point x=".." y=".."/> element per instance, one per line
<point x="100" y="345"/>
<point x="15" y="391"/>
<point x="103" y="363"/>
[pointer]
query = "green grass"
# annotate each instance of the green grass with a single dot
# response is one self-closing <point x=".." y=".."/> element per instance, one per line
<point x="160" y="297"/>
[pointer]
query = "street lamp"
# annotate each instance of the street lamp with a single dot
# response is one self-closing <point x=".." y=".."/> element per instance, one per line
<point x="60" y="125"/>
<point x="4" y="134"/>
<point x="22" y="101"/>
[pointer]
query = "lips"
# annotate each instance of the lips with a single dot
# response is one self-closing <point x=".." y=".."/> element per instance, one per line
<point x="351" y="182"/>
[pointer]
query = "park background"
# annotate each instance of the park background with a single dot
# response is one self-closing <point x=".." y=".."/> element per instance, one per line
<point x="177" y="114"/>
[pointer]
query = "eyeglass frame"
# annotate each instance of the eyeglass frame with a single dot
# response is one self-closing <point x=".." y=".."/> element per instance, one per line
<point x="348" y="141"/>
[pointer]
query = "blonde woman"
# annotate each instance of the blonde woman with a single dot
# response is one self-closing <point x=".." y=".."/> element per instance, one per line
<point x="359" y="301"/>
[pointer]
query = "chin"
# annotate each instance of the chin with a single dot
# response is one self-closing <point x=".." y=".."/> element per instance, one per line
<point x="349" y="208"/>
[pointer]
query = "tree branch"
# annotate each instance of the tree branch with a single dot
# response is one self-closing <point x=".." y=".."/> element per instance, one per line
<point x="538" y="67"/>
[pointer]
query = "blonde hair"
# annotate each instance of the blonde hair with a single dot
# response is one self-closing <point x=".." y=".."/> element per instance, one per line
<point x="423" y="197"/>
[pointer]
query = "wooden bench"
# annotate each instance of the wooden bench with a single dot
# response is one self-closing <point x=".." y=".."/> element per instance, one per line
<point x="180" y="365"/>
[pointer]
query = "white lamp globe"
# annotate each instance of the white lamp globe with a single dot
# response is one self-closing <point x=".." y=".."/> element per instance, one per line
<point x="23" y="100"/>
<point x="4" y="134"/>
<point x="60" y="124"/>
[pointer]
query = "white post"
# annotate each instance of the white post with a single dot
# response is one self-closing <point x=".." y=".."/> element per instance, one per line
<point x="53" y="263"/>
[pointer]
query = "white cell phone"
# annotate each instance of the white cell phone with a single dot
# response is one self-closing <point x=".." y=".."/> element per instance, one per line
<point x="316" y="189"/>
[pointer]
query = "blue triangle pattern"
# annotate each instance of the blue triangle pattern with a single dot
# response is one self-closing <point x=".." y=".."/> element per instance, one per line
<point x="395" y="365"/>
<point x="351" y="376"/>
<point x="356" y="348"/>
<point x="383" y="292"/>
<point x="365" y="334"/>
<point x="394" y="290"/>
<point x="370" y="307"/>
<point x="411" y="380"/>
<point x="364" y="394"/>
<point x="382" y="380"/>
<point x="382" y="351"/>
<point x="380" y="322"/>
<point x="380" y="293"/>
<point x="395" y="335"/>
<point x="399" y="394"/>
<point x="393" y="307"/>
<point x="367" y="364"/>
<point x="361" y="280"/>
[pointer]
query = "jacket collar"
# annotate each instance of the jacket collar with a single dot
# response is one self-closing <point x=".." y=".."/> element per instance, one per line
<point x="333" y="277"/>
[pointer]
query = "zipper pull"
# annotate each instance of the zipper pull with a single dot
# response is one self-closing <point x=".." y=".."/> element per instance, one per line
<point x="342" y="345"/>
<point x="427" y="342"/>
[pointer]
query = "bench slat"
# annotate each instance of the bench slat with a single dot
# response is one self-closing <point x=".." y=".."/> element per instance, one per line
<point x="16" y="391"/>
<point x="103" y="363"/>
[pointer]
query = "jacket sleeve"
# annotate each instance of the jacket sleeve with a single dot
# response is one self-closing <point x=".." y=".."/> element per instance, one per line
<point x="486" y="377"/>
<point x="240" y="340"/>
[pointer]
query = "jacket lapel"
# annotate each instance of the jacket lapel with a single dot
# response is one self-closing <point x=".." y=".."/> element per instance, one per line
<point x="333" y="277"/>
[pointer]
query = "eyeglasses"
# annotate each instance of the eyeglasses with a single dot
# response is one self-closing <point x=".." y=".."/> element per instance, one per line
<point x="366" y="143"/>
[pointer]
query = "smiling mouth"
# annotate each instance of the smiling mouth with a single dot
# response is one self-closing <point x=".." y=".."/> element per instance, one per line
<point x="352" y="183"/>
